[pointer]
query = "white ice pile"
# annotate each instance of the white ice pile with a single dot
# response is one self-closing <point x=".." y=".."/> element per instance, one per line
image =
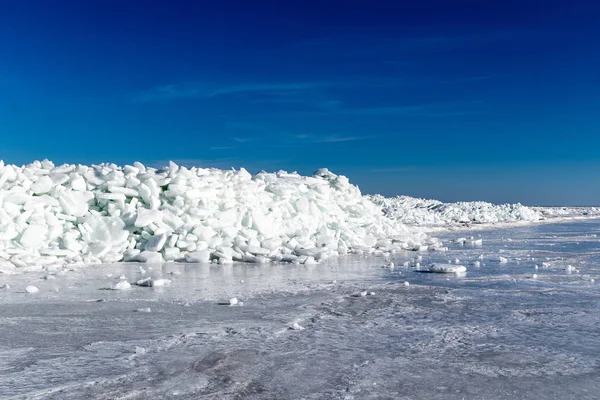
<point x="422" y="212"/>
<point x="55" y="215"/>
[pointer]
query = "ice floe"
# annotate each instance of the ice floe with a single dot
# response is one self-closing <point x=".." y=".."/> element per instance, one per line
<point x="447" y="268"/>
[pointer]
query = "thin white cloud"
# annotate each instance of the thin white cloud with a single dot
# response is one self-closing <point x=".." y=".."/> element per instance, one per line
<point x="242" y="140"/>
<point x="341" y="139"/>
<point x="392" y="169"/>
<point x="202" y="91"/>
<point x="169" y="92"/>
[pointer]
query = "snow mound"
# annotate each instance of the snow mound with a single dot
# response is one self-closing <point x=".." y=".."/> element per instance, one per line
<point x="422" y="212"/>
<point x="56" y="215"/>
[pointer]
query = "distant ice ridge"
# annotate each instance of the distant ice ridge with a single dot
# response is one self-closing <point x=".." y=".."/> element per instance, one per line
<point x="557" y="212"/>
<point x="56" y="215"/>
<point x="414" y="211"/>
<point x="423" y="212"/>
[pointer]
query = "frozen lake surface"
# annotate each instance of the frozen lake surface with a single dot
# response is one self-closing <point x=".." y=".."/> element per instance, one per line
<point x="345" y="329"/>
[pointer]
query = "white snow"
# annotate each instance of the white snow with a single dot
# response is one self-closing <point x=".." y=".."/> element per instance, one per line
<point x="447" y="268"/>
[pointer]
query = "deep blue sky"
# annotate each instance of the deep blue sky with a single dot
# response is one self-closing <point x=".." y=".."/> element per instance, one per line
<point x="496" y="101"/>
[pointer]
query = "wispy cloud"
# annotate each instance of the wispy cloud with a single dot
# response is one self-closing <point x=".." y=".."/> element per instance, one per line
<point x="242" y="140"/>
<point x="282" y="92"/>
<point x="293" y="139"/>
<point x="422" y="110"/>
<point x="278" y="88"/>
<point x="341" y="139"/>
<point x="170" y="92"/>
<point x="202" y="91"/>
<point x="393" y="169"/>
<point x="372" y="45"/>
<point x="222" y="148"/>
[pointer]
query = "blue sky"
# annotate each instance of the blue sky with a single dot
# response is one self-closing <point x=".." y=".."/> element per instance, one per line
<point x="448" y="100"/>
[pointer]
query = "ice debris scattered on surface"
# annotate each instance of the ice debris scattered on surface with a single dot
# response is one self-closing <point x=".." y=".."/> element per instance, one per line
<point x="57" y="215"/>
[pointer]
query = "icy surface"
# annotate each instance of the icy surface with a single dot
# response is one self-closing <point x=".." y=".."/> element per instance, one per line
<point x="306" y="331"/>
<point x="57" y="215"/>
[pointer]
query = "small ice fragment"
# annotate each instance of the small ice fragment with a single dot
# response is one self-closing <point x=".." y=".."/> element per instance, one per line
<point x="502" y="260"/>
<point x="456" y="261"/>
<point x="144" y="310"/>
<point x="296" y="326"/>
<point x="406" y="264"/>
<point x="534" y="276"/>
<point x="447" y="268"/>
<point x="363" y="293"/>
<point x="144" y="282"/>
<point x="149" y="282"/>
<point x="371" y="293"/>
<point x="591" y="280"/>
<point x="32" y="289"/>
<point x="160" y="282"/>
<point x="5" y="286"/>
<point x="233" y="301"/>
<point x="406" y="283"/>
<point x="570" y="269"/>
<point x="477" y="264"/>
<point x="242" y="281"/>
<point x="536" y="267"/>
<point x="121" y="285"/>
<point x="140" y="350"/>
